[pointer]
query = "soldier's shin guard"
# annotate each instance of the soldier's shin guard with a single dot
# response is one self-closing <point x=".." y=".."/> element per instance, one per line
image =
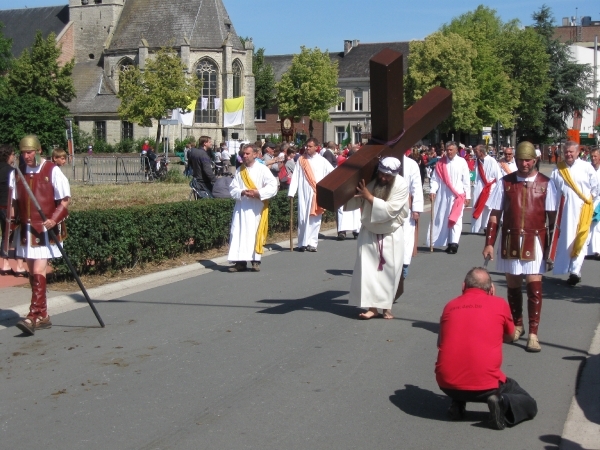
<point x="534" y="305"/>
<point x="38" y="308"/>
<point x="515" y="301"/>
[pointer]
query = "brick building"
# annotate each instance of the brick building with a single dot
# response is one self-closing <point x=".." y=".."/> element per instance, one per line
<point x="107" y="36"/>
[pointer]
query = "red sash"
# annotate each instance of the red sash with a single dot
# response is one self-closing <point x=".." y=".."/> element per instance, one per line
<point x="485" y="193"/>
<point x="459" y="199"/>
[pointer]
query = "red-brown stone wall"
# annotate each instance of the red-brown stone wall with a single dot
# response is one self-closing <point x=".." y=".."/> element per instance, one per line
<point x="68" y="46"/>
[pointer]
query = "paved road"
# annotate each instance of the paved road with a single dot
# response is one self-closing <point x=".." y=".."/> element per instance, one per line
<point x="276" y="360"/>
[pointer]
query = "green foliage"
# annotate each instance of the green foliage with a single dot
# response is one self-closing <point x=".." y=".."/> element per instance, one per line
<point x="6" y="59"/>
<point x="570" y="83"/>
<point x="446" y="60"/>
<point x="495" y="99"/>
<point x="31" y="114"/>
<point x="37" y="72"/>
<point x="125" y="146"/>
<point x="180" y="144"/>
<point x="264" y="81"/>
<point x="100" y="146"/>
<point x="117" y="239"/>
<point x="162" y="86"/>
<point x="174" y="176"/>
<point x="309" y="87"/>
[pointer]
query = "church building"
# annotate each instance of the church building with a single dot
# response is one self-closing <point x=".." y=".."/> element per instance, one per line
<point x="109" y="36"/>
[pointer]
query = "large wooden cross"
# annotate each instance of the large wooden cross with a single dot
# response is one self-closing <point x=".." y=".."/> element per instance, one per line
<point x="389" y="121"/>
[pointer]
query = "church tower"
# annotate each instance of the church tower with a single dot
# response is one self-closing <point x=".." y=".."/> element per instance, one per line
<point x="94" y="22"/>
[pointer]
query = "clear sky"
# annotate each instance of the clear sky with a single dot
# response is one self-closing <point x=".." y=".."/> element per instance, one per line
<point x="283" y="26"/>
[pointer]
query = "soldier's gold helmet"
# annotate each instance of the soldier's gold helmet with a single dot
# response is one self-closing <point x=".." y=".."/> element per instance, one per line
<point x="30" y="142"/>
<point x="525" y="150"/>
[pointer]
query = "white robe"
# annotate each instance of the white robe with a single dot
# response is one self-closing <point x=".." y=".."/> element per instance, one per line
<point x="381" y="225"/>
<point x="458" y="171"/>
<point x="62" y="189"/>
<point x="308" y="226"/>
<point x="512" y="166"/>
<point x="412" y="176"/>
<point x="594" y="245"/>
<point x="247" y="212"/>
<point x="517" y="266"/>
<point x="585" y="177"/>
<point x="348" y="220"/>
<point x="492" y="171"/>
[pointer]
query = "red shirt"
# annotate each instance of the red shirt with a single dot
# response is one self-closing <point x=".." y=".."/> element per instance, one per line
<point x="470" y="343"/>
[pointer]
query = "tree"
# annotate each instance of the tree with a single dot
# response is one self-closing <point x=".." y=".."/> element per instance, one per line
<point x="526" y="62"/>
<point x="37" y="72"/>
<point x="5" y="59"/>
<point x="162" y="86"/>
<point x="445" y="60"/>
<point x="29" y="113"/>
<point x="496" y="99"/>
<point x="570" y="82"/>
<point x="264" y="81"/>
<point x="309" y="87"/>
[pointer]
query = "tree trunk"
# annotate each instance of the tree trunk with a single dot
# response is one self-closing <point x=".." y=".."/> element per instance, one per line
<point x="310" y="127"/>
<point x="157" y="138"/>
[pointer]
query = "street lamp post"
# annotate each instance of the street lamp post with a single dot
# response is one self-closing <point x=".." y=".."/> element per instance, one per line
<point x="71" y="150"/>
<point x="359" y="130"/>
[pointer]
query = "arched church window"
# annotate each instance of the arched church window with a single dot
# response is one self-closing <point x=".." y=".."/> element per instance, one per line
<point x="206" y="70"/>
<point x="124" y="65"/>
<point x="237" y="79"/>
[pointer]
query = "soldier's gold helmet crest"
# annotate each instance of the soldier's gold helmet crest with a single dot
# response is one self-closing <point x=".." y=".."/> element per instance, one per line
<point x="30" y="142"/>
<point x="525" y="150"/>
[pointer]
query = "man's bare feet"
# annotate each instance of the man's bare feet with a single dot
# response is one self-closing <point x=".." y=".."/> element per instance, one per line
<point x="387" y="314"/>
<point x="372" y="312"/>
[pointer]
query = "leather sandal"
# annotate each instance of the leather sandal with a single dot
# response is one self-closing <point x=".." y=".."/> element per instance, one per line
<point x="533" y="344"/>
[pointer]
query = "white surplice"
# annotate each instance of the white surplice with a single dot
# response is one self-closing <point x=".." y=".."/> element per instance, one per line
<point x="381" y="228"/>
<point x="492" y="171"/>
<point x="517" y="266"/>
<point x="594" y="245"/>
<point x="458" y="170"/>
<point x="512" y="166"/>
<point x="412" y="176"/>
<point x="308" y="226"/>
<point x="62" y="189"/>
<point x="585" y="178"/>
<point x="247" y="211"/>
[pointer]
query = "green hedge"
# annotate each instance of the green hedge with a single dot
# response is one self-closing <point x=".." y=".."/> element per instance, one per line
<point x="118" y="239"/>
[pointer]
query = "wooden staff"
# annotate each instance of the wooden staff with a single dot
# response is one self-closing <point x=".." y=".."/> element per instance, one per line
<point x="291" y="223"/>
<point x="431" y="228"/>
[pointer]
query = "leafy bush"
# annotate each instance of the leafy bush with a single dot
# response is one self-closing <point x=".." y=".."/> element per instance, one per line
<point x="125" y="146"/>
<point x="117" y="239"/>
<point x="175" y="176"/>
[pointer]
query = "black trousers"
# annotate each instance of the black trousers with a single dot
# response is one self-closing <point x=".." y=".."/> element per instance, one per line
<point x="519" y="404"/>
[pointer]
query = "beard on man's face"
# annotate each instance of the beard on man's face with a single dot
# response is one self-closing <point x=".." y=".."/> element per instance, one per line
<point x="383" y="188"/>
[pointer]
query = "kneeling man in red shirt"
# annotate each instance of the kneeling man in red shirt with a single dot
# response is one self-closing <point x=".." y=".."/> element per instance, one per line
<point x="468" y="370"/>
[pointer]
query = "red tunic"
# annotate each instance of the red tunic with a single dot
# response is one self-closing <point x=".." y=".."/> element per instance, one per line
<point x="470" y="347"/>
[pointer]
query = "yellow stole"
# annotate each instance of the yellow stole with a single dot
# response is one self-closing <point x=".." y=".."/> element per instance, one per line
<point x="585" y="216"/>
<point x="263" y="225"/>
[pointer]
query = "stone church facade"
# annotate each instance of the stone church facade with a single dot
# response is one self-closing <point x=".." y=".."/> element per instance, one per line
<point x="107" y="36"/>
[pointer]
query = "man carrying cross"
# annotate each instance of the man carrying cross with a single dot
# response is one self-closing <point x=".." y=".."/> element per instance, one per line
<point x="487" y="174"/>
<point x="252" y="187"/>
<point x="378" y="267"/>
<point x="310" y="169"/>
<point x="450" y="192"/>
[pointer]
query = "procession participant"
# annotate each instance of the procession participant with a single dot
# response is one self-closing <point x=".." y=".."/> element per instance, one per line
<point x="526" y="202"/>
<point x="594" y="245"/>
<point x="507" y="163"/>
<point x="310" y="169"/>
<point x="252" y="187"/>
<point x="487" y="175"/>
<point x="470" y="370"/>
<point x="33" y="241"/>
<point x="379" y="259"/>
<point x="450" y="192"/>
<point x="577" y="183"/>
<point x="410" y="171"/>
